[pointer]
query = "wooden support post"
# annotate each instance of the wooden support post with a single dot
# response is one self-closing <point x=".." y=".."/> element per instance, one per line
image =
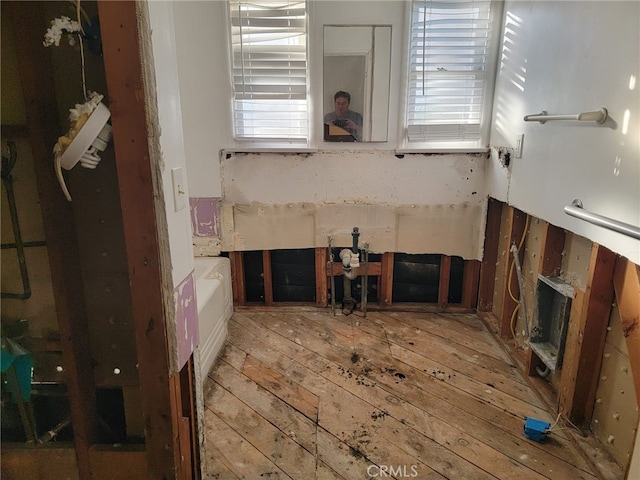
<point x="552" y="246"/>
<point x="516" y="224"/>
<point x="470" y="283"/>
<point x="36" y="77"/>
<point x="321" y="276"/>
<point x="586" y="337"/>
<point x="626" y="283"/>
<point x="550" y="255"/>
<point x="237" y="278"/>
<point x="443" y="285"/>
<point x="267" y="277"/>
<point x="488" y="268"/>
<point x="126" y="38"/>
<point x="386" y="280"/>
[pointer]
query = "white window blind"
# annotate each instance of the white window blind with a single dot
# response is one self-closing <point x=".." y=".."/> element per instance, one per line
<point x="448" y="70"/>
<point x="269" y="58"/>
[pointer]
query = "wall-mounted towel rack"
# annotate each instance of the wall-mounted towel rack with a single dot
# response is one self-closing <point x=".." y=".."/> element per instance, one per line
<point x="599" y="116"/>
<point x="576" y="210"/>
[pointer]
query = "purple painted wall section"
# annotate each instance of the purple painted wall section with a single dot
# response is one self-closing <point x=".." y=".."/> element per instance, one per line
<point x="204" y="216"/>
<point x="184" y="296"/>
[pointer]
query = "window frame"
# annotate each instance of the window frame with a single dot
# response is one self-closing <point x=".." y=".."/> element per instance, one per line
<point x="491" y="62"/>
<point x="268" y="142"/>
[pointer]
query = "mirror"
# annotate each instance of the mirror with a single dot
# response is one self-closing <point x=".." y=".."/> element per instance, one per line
<point x="356" y="83"/>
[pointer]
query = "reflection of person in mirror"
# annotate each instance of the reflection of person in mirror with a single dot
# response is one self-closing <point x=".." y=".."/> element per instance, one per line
<point x="343" y="117"/>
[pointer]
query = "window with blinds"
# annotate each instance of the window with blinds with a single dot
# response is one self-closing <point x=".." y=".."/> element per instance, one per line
<point x="448" y="70"/>
<point x="269" y="60"/>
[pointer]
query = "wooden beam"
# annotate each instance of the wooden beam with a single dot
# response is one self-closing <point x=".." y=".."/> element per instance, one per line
<point x="626" y="283"/>
<point x="373" y="268"/>
<point x="490" y="258"/>
<point x="237" y="278"/>
<point x="470" y="281"/>
<point x="321" y="276"/>
<point x="46" y="462"/>
<point x="267" y="278"/>
<point x="586" y="337"/>
<point x="515" y="230"/>
<point x="386" y="280"/>
<point x="36" y="77"/>
<point x="125" y="36"/>
<point x="445" y="277"/>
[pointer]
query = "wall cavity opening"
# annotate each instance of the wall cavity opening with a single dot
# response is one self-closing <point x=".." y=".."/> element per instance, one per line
<point x="551" y="318"/>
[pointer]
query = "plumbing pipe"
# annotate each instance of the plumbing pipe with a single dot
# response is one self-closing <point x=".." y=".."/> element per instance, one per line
<point x="355" y="234"/>
<point x="349" y="268"/>
<point x="543" y="373"/>
<point x="365" y="279"/>
<point x="516" y="259"/>
<point x="7" y="166"/>
<point x="333" y="282"/>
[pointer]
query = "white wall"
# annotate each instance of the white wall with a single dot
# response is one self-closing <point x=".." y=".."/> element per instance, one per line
<point x="563" y="57"/>
<point x="171" y="136"/>
<point x="570" y="57"/>
<point x="444" y="193"/>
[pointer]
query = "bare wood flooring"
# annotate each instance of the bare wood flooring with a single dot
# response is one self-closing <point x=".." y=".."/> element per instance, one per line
<point x="306" y="395"/>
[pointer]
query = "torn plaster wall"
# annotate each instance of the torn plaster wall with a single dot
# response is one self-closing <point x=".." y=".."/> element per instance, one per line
<point x="414" y="204"/>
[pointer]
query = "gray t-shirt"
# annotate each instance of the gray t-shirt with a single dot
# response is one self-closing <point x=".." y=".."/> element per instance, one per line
<point x="355" y="117"/>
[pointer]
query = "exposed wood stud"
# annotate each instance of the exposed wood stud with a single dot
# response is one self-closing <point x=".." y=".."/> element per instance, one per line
<point x="321" y="276"/>
<point x="551" y="250"/>
<point x="267" y="277"/>
<point x="490" y="258"/>
<point x="386" y="280"/>
<point x="470" y="283"/>
<point x="445" y="276"/>
<point x="237" y="276"/>
<point x="126" y="33"/>
<point x="586" y="338"/>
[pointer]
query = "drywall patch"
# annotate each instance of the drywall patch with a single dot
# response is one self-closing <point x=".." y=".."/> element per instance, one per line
<point x="186" y="319"/>
<point x="204" y="216"/>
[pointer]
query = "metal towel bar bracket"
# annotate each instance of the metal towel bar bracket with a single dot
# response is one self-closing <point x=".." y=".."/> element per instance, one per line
<point x="599" y="116"/>
<point x="576" y="210"/>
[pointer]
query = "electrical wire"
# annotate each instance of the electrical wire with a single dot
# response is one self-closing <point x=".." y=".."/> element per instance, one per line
<point x="517" y="301"/>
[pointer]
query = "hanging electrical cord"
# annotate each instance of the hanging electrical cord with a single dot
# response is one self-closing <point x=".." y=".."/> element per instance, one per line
<point x="517" y="301"/>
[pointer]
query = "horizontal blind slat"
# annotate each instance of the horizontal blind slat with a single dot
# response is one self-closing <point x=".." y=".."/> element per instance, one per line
<point x="269" y="57"/>
<point x="448" y="50"/>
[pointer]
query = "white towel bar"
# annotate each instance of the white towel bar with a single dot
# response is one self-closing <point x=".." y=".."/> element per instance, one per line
<point x="576" y="210"/>
<point x="599" y="116"/>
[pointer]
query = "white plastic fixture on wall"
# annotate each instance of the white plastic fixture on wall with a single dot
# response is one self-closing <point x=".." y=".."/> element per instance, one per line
<point x="92" y="138"/>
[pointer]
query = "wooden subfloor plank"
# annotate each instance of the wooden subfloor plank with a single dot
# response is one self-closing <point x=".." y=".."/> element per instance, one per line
<point x="288" y="420"/>
<point x="286" y="454"/>
<point x="459" y="447"/>
<point x="351" y="397"/>
<point x="242" y="458"/>
<point x="282" y="387"/>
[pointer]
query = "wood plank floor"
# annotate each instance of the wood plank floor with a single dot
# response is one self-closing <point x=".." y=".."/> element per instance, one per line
<point x="302" y="394"/>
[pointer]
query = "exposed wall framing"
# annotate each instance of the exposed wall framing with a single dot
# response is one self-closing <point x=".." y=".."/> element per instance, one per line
<point x="379" y="271"/>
